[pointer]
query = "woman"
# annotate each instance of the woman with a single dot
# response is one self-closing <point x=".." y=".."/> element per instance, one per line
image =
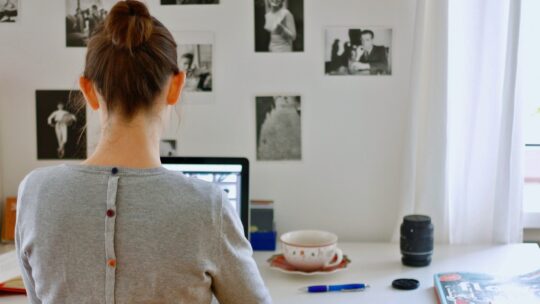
<point x="280" y="23"/>
<point x="119" y="227"/>
<point x="62" y="120"/>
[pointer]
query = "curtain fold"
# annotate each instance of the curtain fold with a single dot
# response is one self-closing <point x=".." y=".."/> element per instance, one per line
<point x="423" y="188"/>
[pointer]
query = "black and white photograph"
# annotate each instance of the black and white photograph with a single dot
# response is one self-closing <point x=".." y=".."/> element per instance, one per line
<point x="82" y="17"/>
<point x="279" y="25"/>
<point x="9" y="11"/>
<point x="278" y="120"/>
<point x="167" y="147"/>
<point x="196" y="61"/>
<point x="363" y="50"/>
<point x="60" y="125"/>
<point x="174" y="2"/>
<point x="195" y="58"/>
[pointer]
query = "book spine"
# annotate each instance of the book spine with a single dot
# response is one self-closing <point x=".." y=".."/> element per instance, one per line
<point x="8" y="222"/>
<point x="439" y="292"/>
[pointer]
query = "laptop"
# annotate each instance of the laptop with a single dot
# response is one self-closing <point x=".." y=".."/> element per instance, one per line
<point x="230" y="173"/>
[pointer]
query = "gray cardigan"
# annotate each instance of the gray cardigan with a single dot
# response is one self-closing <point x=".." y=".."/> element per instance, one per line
<point x="95" y="234"/>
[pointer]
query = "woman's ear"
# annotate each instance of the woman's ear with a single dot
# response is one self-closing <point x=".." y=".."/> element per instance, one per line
<point x="175" y="88"/>
<point x="89" y="92"/>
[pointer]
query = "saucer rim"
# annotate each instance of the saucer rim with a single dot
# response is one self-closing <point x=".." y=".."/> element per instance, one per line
<point x="307" y="273"/>
<point x="297" y="271"/>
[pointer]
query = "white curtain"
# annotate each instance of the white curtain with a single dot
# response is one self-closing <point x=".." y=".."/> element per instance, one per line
<point x="463" y="155"/>
<point x="484" y="142"/>
<point x="424" y="180"/>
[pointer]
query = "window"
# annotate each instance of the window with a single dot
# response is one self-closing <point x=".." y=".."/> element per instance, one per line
<point x="529" y="92"/>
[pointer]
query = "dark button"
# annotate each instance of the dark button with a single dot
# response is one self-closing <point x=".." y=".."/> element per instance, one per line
<point x="114" y="170"/>
<point x="110" y="213"/>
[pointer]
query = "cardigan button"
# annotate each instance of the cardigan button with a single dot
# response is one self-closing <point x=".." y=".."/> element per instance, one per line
<point x="110" y="213"/>
<point x="114" y="170"/>
<point x="111" y="263"/>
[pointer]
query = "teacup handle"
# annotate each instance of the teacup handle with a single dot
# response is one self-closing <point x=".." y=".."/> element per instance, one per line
<point x="339" y="254"/>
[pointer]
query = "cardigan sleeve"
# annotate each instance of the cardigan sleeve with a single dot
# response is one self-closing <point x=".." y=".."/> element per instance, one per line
<point x="24" y="265"/>
<point x="237" y="278"/>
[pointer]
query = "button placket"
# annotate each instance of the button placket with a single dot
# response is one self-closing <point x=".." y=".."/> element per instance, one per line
<point x="110" y="220"/>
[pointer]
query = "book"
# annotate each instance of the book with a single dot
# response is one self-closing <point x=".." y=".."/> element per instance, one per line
<point x="481" y="288"/>
<point x="8" y="222"/>
<point x="10" y="277"/>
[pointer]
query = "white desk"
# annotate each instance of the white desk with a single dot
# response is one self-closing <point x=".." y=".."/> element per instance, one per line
<point x="379" y="263"/>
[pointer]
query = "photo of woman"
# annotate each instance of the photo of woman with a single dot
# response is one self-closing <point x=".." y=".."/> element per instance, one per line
<point x="279" y="22"/>
<point x="279" y="26"/>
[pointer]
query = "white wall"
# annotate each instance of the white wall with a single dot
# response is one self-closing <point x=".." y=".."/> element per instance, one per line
<point x="352" y="127"/>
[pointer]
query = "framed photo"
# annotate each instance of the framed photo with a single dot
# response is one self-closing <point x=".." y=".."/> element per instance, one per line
<point x="82" y="17"/>
<point x="60" y="125"/>
<point x="167" y="147"/>
<point x="187" y="2"/>
<point x="363" y="50"/>
<point x="279" y="26"/>
<point x="9" y="11"/>
<point x="196" y="59"/>
<point x="279" y="134"/>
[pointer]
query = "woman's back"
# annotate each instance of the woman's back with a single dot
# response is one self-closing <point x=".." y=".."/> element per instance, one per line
<point x="97" y="234"/>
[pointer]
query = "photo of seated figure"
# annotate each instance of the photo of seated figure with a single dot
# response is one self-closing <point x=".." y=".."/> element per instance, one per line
<point x="357" y="51"/>
<point x="196" y="61"/>
<point x="8" y="10"/>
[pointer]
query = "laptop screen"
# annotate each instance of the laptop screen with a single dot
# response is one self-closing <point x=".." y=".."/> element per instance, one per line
<point x="230" y="174"/>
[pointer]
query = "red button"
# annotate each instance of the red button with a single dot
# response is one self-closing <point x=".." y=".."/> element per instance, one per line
<point x="111" y="262"/>
<point x="110" y="213"/>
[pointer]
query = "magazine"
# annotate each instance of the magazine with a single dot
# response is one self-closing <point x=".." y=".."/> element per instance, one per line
<point x="479" y="288"/>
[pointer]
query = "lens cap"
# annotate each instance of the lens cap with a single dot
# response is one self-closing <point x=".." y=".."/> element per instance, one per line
<point x="405" y="284"/>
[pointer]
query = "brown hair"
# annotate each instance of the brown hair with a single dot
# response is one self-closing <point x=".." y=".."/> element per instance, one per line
<point x="130" y="57"/>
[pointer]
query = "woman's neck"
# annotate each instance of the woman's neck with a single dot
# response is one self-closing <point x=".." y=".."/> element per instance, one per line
<point x="132" y="145"/>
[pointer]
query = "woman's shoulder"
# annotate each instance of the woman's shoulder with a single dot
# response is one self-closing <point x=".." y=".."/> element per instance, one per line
<point x="41" y="172"/>
<point x="193" y="187"/>
<point x="34" y="179"/>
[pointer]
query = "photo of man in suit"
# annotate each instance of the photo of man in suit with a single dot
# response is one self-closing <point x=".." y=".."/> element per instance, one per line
<point x="358" y="51"/>
<point x="374" y="55"/>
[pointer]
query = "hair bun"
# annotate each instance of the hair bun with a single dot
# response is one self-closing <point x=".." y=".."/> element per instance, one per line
<point x="129" y="24"/>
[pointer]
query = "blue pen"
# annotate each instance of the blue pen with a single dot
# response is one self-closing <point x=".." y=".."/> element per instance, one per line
<point x="341" y="287"/>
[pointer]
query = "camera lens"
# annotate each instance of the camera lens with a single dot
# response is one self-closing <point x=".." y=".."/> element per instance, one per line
<point x="416" y="240"/>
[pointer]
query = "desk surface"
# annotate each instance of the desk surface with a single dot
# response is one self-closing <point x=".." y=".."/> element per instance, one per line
<point x="379" y="263"/>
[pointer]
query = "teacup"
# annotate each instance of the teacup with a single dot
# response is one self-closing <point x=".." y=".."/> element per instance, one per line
<point x="310" y="250"/>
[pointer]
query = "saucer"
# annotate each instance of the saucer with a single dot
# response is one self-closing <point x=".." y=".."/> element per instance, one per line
<point x="279" y="263"/>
